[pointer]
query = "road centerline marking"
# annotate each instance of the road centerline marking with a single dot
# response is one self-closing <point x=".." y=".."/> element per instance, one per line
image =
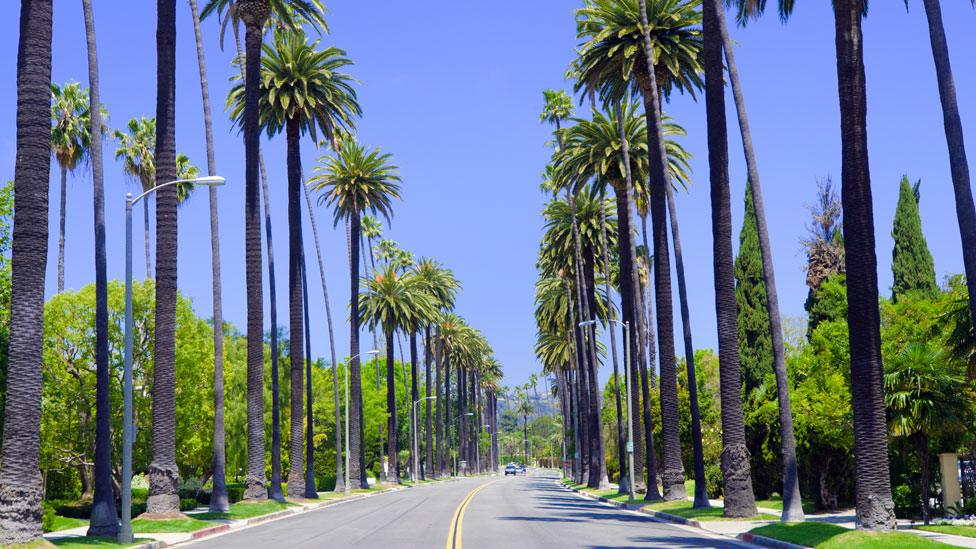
<point x="454" y="533"/>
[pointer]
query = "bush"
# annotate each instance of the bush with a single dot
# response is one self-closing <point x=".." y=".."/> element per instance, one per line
<point x="72" y="509"/>
<point x="908" y="501"/>
<point x="188" y="504"/>
<point x="714" y="481"/>
<point x="325" y="484"/>
<point x="235" y="492"/>
<point x="47" y="518"/>
<point x="201" y="496"/>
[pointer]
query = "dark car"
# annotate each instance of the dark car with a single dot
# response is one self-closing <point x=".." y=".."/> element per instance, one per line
<point x="511" y="469"/>
<point x="521" y="469"/>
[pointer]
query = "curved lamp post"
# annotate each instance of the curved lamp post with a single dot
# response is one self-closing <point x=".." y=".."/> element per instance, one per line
<point x="128" y="429"/>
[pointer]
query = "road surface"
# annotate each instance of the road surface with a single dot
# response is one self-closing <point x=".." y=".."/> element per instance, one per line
<point x="473" y="513"/>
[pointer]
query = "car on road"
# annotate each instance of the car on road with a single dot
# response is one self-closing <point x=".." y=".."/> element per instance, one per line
<point x="521" y="469"/>
<point x="511" y="469"/>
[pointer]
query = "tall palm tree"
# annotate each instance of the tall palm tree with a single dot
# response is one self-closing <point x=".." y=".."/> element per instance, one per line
<point x="20" y="508"/>
<point x="959" y="165"/>
<point x="103" y="517"/>
<point x="70" y="143"/>
<point x="397" y="301"/>
<point x="792" y="504"/>
<point x="219" y="502"/>
<point x="441" y="284"/>
<point x="301" y="91"/>
<point x="875" y="509"/>
<point x="164" y="497"/>
<point x="354" y="181"/>
<point x="739" y="497"/>
<point x="135" y="149"/>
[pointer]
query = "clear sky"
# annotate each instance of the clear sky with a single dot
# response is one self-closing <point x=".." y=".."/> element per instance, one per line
<point x="453" y="91"/>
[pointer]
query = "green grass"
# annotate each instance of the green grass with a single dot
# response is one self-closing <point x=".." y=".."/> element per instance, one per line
<point x="967" y="531"/>
<point x="66" y="523"/>
<point x="88" y="542"/>
<point x="614" y="496"/>
<point x="822" y="535"/>
<point x="245" y="510"/>
<point x="683" y="508"/>
<point x="776" y="503"/>
<point x="148" y="526"/>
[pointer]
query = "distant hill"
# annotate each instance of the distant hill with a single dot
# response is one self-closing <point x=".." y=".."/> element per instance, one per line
<point x="542" y="405"/>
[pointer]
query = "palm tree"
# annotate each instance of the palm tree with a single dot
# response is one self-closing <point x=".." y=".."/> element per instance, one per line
<point x="103" y="517"/>
<point x="965" y="210"/>
<point x="792" y="504"/>
<point x="739" y="497"/>
<point x="396" y="301"/>
<point x="219" y="502"/>
<point x="925" y="397"/>
<point x="20" y="508"/>
<point x="70" y="143"/>
<point x="164" y="497"/>
<point x="354" y="181"/>
<point x="442" y="286"/>
<point x="135" y="149"/>
<point x="524" y="409"/>
<point x="301" y="91"/>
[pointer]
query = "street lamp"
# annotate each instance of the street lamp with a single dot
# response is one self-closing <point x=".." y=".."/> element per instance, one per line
<point x="630" y="424"/>
<point x="416" y="458"/>
<point x="370" y="352"/>
<point x="128" y="430"/>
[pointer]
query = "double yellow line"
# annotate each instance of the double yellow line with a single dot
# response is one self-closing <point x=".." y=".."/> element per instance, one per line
<point x="454" y="534"/>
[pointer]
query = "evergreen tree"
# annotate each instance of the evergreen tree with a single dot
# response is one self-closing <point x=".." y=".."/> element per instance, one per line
<point x="911" y="261"/>
<point x="755" y="342"/>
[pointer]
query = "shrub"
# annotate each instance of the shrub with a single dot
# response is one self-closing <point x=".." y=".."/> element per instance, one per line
<point x="72" y="509"/>
<point x="325" y="484"/>
<point x="188" y="504"/>
<point x="714" y="481"/>
<point x="47" y="518"/>
<point x="908" y="501"/>
<point x="235" y="492"/>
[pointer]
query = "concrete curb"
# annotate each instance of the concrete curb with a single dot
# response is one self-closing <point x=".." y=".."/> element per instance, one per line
<point x="209" y="531"/>
<point x="768" y="542"/>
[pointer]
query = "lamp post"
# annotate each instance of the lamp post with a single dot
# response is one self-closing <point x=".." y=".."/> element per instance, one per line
<point x="630" y="425"/>
<point x="128" y="429"/>
<point x="416" y="458"/>
<point x="371" y="352"/>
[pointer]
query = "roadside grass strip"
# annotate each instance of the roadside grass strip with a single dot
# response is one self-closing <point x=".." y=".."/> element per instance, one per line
<point x="168" y="526"/>
<point x="66" y="523"/>
<point x="776" y="503"/>
<point x="951" y="529"/>
<point x="245" y="510"/>
<point x="685" y="509"/>
<point x="821" y="535"/>
<point x="97" y="542"/>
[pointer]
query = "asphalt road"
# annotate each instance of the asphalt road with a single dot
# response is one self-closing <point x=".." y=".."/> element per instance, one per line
<point x="489" y="513"/>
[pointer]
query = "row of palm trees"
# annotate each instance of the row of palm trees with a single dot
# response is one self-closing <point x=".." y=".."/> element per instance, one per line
<point x="653" y="48"/>
<point x="296" y="88"/>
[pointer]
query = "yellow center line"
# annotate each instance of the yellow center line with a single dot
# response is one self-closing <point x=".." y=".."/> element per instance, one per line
<point x="454" y="534"/>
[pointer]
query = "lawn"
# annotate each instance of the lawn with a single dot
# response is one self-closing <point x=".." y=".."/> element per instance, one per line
<point x="967" y="531"/>
<point x="776" y="502"/>
<point x="88" y="542"/>
<point x="683" y="508"/>
<point x="149" y="526"/>
<point x="245" y="510"/>
<point x="66" y="523"/>
<point x="821" y="535"/>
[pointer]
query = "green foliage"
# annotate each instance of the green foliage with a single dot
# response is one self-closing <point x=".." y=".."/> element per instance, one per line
<point x="357" y="180"/>
<point x="827" y="303"/>
<point x="755" y="341"/>
<point x="48" y="517"/>
<point x="911" y="261"/>
<point x="6" y="228"/>
<point x="908" y="500"/>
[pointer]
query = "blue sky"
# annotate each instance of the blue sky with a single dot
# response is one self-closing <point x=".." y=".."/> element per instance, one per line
<point x="453" y="91"/>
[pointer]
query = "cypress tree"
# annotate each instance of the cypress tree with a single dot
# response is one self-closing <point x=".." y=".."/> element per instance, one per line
<point x="755" y="341"/>
<point x="911" y="261"/>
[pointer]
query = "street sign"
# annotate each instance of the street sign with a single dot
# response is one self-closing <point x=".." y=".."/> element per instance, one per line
<point x="630" y="446"/>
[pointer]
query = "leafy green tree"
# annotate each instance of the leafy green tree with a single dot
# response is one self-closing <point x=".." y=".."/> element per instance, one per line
<point x="926" y="397"/>
<point x="755" y="342"/>
<point x="911" y="261"/>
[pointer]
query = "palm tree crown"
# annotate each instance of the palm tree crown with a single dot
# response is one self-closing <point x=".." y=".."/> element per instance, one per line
<point x="396" y="301"/>
<point x="71" y="129"/>
<point x="136" y="149"/>
<point x="356" y="180"/>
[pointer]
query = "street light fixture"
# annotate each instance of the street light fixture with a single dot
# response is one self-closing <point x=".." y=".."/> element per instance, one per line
<point x="630" y="424"/>
<point x="128" y="430"/>
<point x="370" y="352"/>
<point x="416" y="458"/>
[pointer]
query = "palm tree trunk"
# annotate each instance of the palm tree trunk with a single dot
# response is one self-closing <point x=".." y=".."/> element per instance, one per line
<point x="672" y="476"/>
<point x="462" y="430"/>
<point x="701" y="493"/>
<point x="429" y="467"/>
<point x="20" y="477"/>
<point x="218" y="497"/>
<point x="255" y="481"/>
<point x="357" y="458"/>
<point x="959" y="165"/>
<point x="875" y="510"/>
<point x="164" y="475"/>
<point x="145" y="235"/>
<point x="296" y="447"/>
<point x="739" y="498"/>
<point x="441" y="465"/>
<point x="61" y="215"/>
<point x="392" y="446"/>
<point x="598" y="456"/>
<point x="646" y="343"/>
<point x="104" y="519"/>
<point x="623" y="483"/>
<point x="340" y="483"/>
<point x="414" y="397"/>
<point x="447" y="411"/>
<point x="792" y="504"/>
<point x="922" y="442"/>
<point x="311" y="491"/>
